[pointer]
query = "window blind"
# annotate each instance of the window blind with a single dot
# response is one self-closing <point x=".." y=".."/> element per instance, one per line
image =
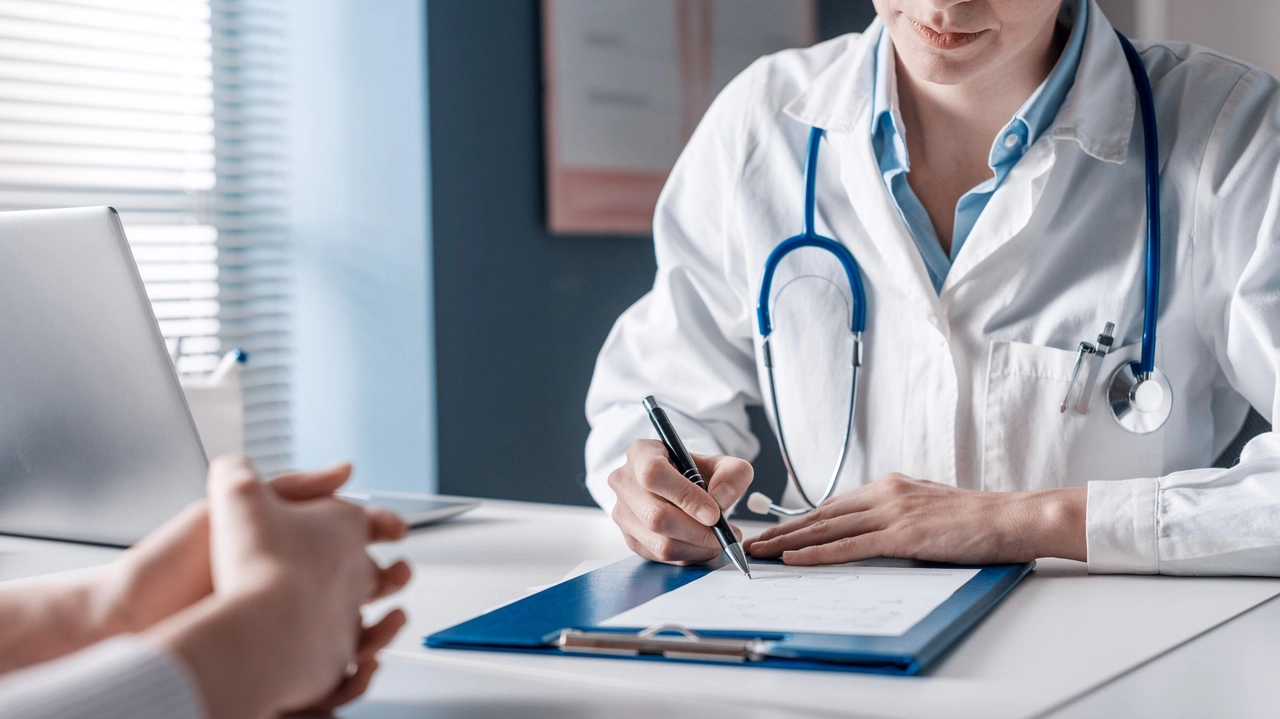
<point x="173" y="112"/>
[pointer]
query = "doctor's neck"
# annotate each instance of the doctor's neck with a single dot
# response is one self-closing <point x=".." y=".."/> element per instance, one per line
<point x="965" y="68"/>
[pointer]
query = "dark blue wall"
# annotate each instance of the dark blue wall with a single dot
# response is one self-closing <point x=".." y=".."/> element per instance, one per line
<point x="520" y="314"/>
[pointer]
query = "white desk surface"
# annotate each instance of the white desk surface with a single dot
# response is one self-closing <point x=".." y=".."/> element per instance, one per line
<point x="1063" y="644"/>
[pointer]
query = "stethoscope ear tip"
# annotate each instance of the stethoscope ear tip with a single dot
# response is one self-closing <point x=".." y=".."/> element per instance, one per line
<point x="759" y="503"/>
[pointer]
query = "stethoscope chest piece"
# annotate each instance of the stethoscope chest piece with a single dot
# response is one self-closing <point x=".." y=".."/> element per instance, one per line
<point x="1140" y="406"/>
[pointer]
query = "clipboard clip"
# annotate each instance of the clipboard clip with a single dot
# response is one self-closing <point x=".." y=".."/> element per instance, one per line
<point x="657" y="641"/>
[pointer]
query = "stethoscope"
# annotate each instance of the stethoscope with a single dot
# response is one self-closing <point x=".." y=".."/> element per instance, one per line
<point x="1138" y="394"/>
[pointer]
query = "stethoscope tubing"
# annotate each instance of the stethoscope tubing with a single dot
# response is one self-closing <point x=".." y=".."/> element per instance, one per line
<point x="809" y="237"/>
<point x="856" y="362"/>
<point x="1151" y="169"/>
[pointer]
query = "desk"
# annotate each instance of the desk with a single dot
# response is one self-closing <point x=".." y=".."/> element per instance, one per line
<point x="496" y="553"/>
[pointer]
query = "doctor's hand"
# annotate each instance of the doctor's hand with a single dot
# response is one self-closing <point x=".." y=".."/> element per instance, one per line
<point x="665" y="517"/>
<point x="897" y="516"/>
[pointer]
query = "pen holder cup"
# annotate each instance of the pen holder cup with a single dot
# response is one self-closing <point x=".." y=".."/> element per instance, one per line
<point x="218" y="411"/>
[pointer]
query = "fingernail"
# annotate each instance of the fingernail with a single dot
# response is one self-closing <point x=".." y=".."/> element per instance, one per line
<point x="708" y="516"/>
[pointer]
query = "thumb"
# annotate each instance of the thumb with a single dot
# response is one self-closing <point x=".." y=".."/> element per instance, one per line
<point x="232" y="480"/>
<point x="727" y="477"/>
<point x="301" y="486"/>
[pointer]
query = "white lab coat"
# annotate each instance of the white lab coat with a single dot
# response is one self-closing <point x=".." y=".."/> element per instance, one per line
<point x="963" y="387"/>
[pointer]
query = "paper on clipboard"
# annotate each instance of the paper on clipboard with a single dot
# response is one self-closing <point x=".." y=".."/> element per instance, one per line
<point x="843" y="599"/>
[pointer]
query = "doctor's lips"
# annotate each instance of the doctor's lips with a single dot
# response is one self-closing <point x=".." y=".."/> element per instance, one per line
<point x="943" y="40"/>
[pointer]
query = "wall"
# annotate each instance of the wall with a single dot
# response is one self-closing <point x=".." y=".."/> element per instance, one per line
<point x="520" y="315"/>
<point x="1245" y="29"/>
<point x="1123" y="15"/>
<point x="363" y="379"/>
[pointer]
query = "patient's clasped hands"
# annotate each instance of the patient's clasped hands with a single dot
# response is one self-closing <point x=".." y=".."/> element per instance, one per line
<point x="259" y="591"/>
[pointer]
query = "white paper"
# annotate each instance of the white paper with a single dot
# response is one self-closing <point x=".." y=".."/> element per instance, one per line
<point x="617" y="84"/>
<point x="842" y="599"/>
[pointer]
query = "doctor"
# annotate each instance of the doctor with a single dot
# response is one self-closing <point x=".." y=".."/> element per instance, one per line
<point x="983" y="161"/>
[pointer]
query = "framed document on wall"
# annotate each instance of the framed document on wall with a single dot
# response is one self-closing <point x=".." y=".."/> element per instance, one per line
<point x="625" y="83"/>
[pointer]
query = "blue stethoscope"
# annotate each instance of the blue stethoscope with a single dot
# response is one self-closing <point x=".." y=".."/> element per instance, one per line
<point x="1139" y="395"/>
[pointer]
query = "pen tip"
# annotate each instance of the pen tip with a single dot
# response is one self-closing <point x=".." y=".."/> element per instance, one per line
<point x="739" y="558"/>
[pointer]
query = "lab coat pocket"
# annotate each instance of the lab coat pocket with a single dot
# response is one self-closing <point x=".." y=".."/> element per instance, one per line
<point x="1028" y="443"/>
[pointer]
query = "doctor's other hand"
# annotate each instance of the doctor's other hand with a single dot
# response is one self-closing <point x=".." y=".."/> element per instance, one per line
<point x="665" y="517"/>
<point x="897" y="516"/>
<point x="282" y="630"/>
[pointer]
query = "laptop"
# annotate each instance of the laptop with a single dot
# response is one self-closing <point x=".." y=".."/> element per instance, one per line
<point x="96" y="443"/>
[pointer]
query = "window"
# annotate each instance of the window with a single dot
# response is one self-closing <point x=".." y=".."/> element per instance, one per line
<point x="172" y="111"/>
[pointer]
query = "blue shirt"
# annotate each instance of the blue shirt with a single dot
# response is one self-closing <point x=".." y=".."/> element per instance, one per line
<point x="1034" y="117"/>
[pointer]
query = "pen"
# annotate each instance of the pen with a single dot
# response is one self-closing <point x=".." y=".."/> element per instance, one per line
<point x="228" y="362"/>
<point x="681" y="458"/>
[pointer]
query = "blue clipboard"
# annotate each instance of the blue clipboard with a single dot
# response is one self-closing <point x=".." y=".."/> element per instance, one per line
<point x="565" y="618"/>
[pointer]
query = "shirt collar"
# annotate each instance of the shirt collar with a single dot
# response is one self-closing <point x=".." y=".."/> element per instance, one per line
<point x="1040" y="110"/>
<point x="1097" y="113"/>
<point x="886" y="119"/>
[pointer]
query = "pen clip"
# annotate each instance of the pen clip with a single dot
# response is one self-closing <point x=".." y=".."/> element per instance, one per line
<point x="1094" y="354"/>
<point x="1101" y="347"/>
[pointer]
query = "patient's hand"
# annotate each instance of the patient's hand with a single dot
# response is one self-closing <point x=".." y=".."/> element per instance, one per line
<point x="291" y="571"/>
<point x="166" y="572"/>
<point x="169" y="569"/>
<point x="898" y="516"/>
<point x="49" y="617"/>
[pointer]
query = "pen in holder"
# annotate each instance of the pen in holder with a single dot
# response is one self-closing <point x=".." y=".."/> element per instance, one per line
<point x="657" y="641"/>
<point x="217" y="405"/>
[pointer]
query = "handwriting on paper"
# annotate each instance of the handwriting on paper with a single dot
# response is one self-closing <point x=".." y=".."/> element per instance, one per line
<point x="842" y="599"/>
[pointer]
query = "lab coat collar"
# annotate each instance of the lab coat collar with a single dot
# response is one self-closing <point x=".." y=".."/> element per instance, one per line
<point x="839" y="98"/>
<point x="1099" y="109"/>
<point x="1097" y="112"/>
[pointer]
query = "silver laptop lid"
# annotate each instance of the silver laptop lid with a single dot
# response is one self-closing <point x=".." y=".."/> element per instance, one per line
<point x="96" y="442"/>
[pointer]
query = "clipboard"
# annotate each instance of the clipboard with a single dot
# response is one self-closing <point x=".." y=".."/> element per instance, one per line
<point x="565" y="619"/>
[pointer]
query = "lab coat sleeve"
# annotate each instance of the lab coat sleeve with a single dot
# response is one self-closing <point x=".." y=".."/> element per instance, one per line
<point x="689" y="340"/>
<point x="1215" y="521"/>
